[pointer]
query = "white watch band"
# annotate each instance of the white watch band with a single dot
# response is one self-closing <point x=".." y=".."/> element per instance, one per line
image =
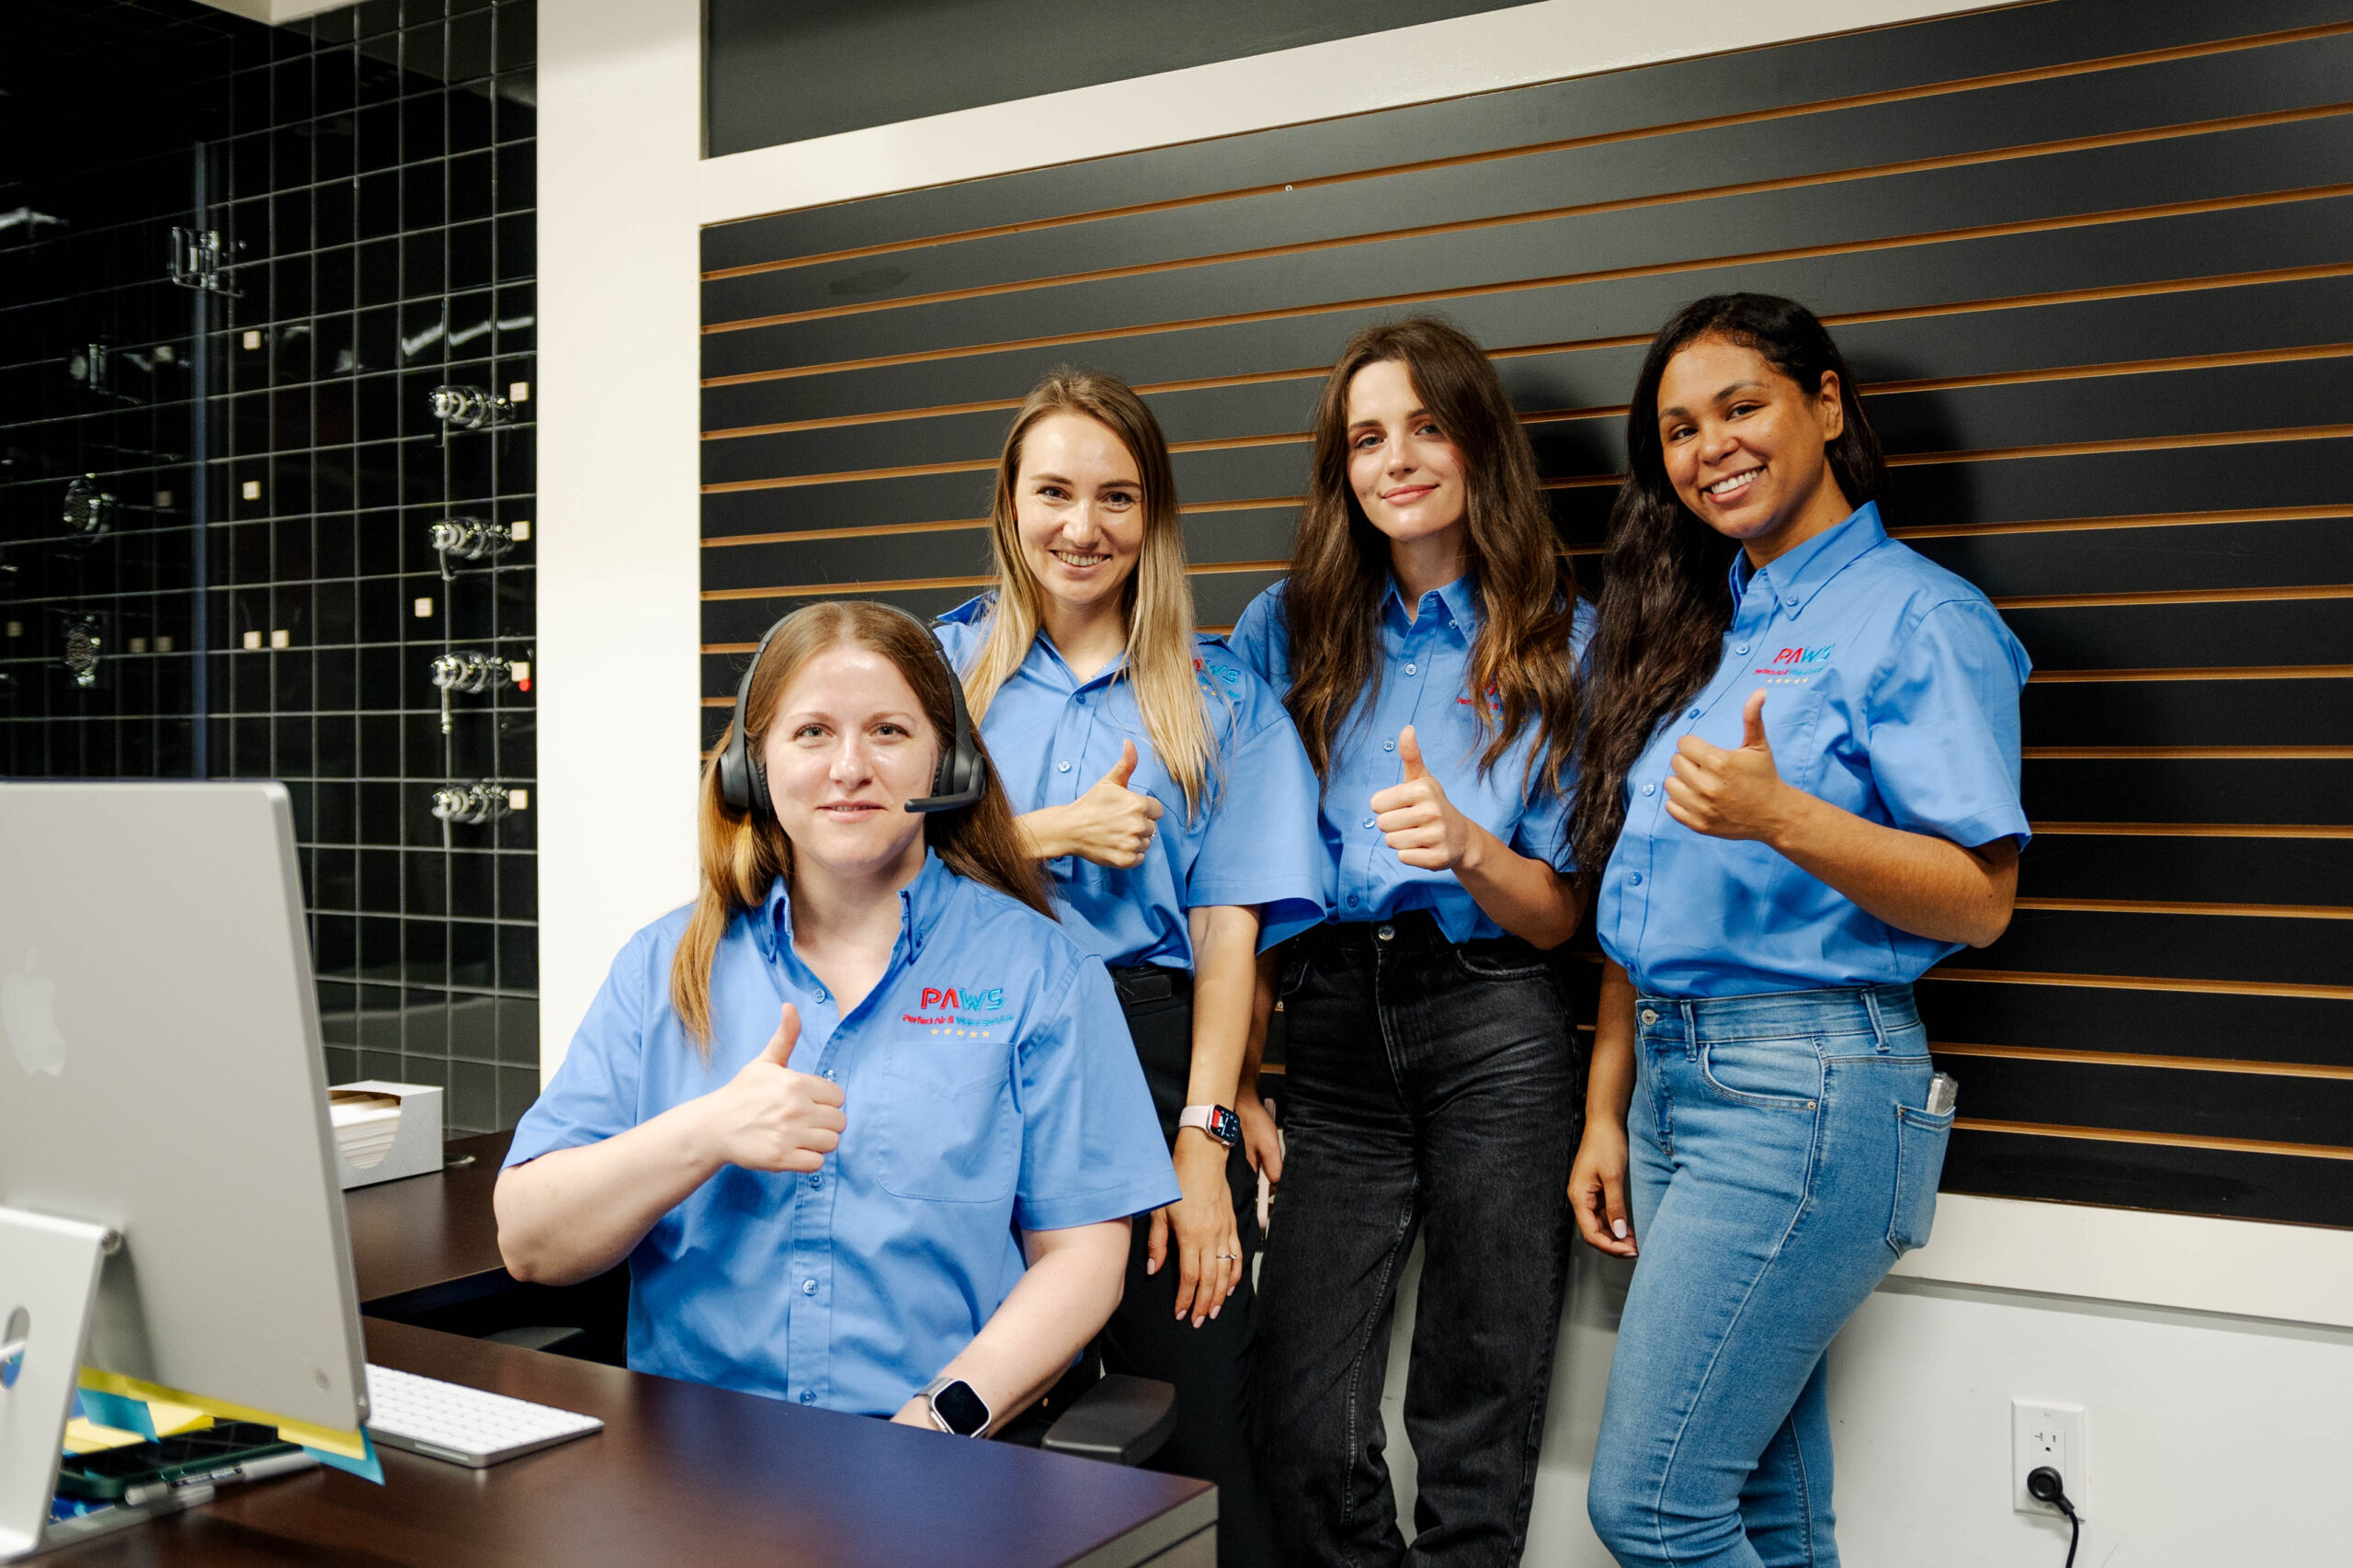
<point x="1196" y="1116"/>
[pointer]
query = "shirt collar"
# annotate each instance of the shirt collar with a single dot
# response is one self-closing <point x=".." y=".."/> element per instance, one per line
<point x="1462" y="605"/>
<point x="1796" y="576"/>
<point x="921" y="903"/>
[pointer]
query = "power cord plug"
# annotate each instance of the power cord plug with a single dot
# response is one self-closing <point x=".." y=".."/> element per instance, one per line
<point x="2044" y="1485"/>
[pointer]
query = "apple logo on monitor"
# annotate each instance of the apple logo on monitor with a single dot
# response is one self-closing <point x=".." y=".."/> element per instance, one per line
<point x="27" y="1004"/>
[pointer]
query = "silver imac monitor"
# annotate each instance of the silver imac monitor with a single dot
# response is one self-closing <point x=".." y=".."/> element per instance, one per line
<point x="161" y="1080"/>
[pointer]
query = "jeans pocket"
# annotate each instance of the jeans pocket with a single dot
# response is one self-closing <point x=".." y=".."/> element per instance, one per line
<point x="1920" y="1141"/>
<point x="1777" y="1075"/>
<point x="1499" y="961"/>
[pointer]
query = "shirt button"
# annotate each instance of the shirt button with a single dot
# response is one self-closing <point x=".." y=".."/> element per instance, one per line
<point x="1370" y="822"/>
<point x="1387" y="933"/>
<point x="1693" y="714"/>
<point x="1650" y="788"/>
<point x="1741" y="649"/>
<point x="1411" y="669"/>
<point x="822" y="996"/>
<point x="1354" y="901"/>
<point x="808" y="1286"/>
<point x="1062" y="768"/>
<point x="817" y="1179"/>
<point x="829" y="1076"/>
<point x="808" y="1396"/>
<point x="1634" y="881"/>
<point x="1389" y="746"/>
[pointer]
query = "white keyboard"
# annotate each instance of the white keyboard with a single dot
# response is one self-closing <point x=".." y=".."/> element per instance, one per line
<point x="463" y="1426"/>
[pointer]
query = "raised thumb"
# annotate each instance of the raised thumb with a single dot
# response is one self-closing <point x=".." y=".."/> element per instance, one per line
<point x="1752" y="723"/>
<point x="788" y="1035"/>
<point x="1124" y="769"/>
<point x="1409" y="752"/>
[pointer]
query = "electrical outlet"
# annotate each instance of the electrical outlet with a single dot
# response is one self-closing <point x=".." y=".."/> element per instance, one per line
<point x="2042" y="1434"/>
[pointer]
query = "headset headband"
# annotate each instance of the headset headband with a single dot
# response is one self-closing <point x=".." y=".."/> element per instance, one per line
<point x="958" y="781"/>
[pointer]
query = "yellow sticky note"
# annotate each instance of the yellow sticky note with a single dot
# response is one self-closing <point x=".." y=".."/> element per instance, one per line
<point x="351" y="1445"/>
<point x="171" y="1420"/>
<point x="83" y="1436"/>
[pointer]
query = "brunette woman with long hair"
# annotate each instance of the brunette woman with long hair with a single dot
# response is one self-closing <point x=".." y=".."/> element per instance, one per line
<point x="1165" y="790"/>
<point x="1428" y="643"/>
<point x="1800" y="791"/>
<point x="907" y="1193"/>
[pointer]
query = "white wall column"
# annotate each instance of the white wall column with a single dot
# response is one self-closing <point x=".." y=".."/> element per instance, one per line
<point x="618" y="531"/>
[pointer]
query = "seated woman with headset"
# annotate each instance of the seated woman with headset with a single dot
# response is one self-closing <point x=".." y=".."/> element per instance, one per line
<point x="910" y="1196"/>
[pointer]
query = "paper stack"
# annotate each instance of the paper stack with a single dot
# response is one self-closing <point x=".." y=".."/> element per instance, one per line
<point x="365" y="1125"/>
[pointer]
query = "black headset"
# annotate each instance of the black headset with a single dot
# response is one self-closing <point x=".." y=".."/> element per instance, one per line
<point x="958" y="781"/>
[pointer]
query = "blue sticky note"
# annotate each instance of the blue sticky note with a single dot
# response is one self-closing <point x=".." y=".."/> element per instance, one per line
<point x="369" y="1468"/>
<point x="119" y="1412"/>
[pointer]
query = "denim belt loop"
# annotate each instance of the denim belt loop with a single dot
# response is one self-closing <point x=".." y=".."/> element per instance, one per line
<point x="1690" y="1028"/>
<point x="1878" y="1024"/>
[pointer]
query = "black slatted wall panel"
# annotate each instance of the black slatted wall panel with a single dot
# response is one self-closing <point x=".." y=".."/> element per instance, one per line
<point x="2093" y="259"/>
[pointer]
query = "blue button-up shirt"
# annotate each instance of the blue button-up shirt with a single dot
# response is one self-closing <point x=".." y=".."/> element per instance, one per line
<point x="989" y="1085"/>
<point x="1891" y="692"/>
<point x="1423" y="683"/>
<point x="1053" y="736"/>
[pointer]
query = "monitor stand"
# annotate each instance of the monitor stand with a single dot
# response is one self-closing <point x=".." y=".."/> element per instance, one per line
<point x="49" y="1280"/>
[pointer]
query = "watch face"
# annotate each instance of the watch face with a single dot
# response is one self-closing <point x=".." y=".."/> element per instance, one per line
<point x="959" y="1409"/>
<point x="1224" y="1125"/>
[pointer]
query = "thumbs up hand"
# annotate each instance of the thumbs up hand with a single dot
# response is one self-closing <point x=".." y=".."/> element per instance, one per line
<point x="1730" y="793"/>
<point x="769" y="1117"/>
<point x="1416" y="818"/>
<point x="1110" y="824"/>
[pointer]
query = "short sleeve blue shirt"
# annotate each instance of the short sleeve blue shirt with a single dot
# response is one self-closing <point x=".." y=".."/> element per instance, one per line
<point x="1424" y="683"/>
<point x="1893" y="692"/>
<point x="1052" y="735"/>
<point x="989" y="1085"/>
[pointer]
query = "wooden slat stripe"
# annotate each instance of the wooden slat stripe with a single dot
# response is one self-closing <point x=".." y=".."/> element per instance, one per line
<point x="2019" y="153"/>
<point x="2254" y="671"/>
<point x="2167" y="1139"/>
<point x="975" y="579"/>
<point x="2186" y="829"/>
<point x="2170" y="906"/>
<point x="2133" y="1058"/>
<point x="1616" y="411"/>
<point x="1713" y="123"/>
<point x="2129" y="520"/>
<point x="2191" y="754"/>
<point x="1602" y="275"/>
<point x="2175" y="597"/>
<point x="2146" y="982"/>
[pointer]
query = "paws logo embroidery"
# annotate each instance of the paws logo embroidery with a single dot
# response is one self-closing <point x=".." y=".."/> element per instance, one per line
<point x="964" y="1010"/>
<point x="1203" y="671"/>
<point x="1796" y="666"/>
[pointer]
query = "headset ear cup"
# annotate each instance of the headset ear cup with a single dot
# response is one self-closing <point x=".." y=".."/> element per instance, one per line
<point x="735" y="789"/>
<point x="756" y="797"/>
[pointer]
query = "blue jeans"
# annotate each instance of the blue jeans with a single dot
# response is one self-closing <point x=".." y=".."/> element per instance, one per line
<point x="1780" y="1164"/>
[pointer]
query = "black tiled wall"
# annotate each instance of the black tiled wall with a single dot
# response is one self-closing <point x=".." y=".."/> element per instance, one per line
<point x="371" y="172"/>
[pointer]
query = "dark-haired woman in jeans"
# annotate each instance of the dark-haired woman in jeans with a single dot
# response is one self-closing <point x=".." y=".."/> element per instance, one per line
<point x="1802" y="762"/>
<point x="1426" y="642"/>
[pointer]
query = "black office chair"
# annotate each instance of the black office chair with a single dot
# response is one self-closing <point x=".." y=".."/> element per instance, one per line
<point x="1096" y="1414"/>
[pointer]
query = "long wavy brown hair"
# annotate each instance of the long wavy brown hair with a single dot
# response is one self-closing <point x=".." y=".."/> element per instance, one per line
<point x="1665" y="584"/>
<point x="1159" y="596"/>
<point x="1519" y="574"/>
<point x="743" y="852"/>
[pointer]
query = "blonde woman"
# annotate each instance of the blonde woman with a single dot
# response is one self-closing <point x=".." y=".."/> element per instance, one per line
<point x="1169" y="798"/>
<point x="882" y="1198"/>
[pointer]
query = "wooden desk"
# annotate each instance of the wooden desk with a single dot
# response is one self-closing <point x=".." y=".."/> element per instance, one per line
<point x="429" y="1241"/>
<point x="682" y="1474"/>
<point x="687" y="1475"/>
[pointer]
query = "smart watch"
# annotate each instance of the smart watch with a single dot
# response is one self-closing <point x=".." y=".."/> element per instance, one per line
<point x="955" y="1407"/>
<point x="1214" y="1119"/>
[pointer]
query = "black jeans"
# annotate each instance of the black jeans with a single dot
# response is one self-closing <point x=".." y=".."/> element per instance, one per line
<point x="1211" y="1366"/>
<point x="1424" y="1081"/>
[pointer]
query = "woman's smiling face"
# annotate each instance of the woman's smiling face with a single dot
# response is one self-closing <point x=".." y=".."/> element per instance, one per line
<point x="1406" y="470"/>
<point x="849" y="747"/>
<point x="1743" y="443"/>
<point x="1078" y="502"/>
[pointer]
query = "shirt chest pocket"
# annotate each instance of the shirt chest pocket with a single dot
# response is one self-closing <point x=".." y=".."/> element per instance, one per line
<point x="947" y="1129"/>
<point x="1798" y="711"/>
